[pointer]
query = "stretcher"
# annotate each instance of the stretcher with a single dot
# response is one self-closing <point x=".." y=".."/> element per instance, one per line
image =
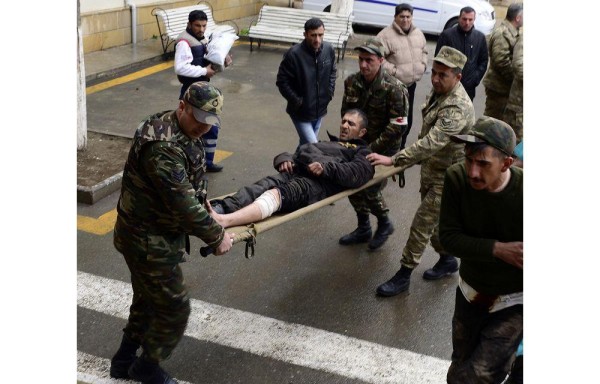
<point x="249" y="232"/>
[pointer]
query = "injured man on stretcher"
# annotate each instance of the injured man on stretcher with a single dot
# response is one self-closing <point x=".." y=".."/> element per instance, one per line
<point x="315" y="171"/>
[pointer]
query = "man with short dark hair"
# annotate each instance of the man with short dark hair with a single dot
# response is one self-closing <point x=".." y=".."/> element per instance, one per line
<point x="384" y="99"/>
<point x="499" y="77"/>
<point x="191" y="66"/>
<point x="314" y="172"/>
<point x="406" y="55"/>
<point x="481" y="222"/>
<point x="306" y="79"/>
<point x="448" y="110"/>
<point x="472" y="44"/>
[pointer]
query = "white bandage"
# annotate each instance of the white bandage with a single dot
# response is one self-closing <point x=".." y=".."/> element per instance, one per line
<point x="268" y="203"/>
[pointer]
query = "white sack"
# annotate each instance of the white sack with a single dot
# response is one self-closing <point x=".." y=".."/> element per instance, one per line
<point x="218" y="48"/>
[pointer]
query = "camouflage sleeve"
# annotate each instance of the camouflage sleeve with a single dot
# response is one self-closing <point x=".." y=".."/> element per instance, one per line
<point x="501" y="57"/>
<point x="450" y="121"/>
<point x="518" y="60"/>
<point x="398" y="114"/>
<point x="165" y="167"/>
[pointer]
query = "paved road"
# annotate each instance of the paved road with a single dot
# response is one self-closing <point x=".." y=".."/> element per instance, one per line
<point x="304" y="309"/>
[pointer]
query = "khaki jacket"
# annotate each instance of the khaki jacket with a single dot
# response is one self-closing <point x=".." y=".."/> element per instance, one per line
<point x="406" y="53"/>
<point x="515" y="98"/>
<point x="500" y="72"/>
<point x="443" y="116"/>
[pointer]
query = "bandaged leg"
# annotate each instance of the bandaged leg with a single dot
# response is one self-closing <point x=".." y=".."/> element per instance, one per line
<point x="268" y="202"/>
<point x="264" y="206"/>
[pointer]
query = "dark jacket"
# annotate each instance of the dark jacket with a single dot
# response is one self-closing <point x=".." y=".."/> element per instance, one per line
<point x="307" y="80"/>
<point x="344" y="162"/>
<point x="474" y="46"/>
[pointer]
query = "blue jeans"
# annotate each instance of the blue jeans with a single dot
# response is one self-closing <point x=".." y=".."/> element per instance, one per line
<point x="308" y="131"/>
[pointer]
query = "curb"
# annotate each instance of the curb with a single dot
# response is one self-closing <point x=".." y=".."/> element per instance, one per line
<point x="91" y="195"/>
<point x="116" y="72"/>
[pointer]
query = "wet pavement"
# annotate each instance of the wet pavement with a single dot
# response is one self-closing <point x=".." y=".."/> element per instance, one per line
<point x="300" y="275"/>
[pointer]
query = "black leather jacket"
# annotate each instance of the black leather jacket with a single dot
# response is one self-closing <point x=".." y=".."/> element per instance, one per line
<point x="474" y="46"/>
<point x="307" y="80"/>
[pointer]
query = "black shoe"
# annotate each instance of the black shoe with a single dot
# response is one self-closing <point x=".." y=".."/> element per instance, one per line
<point x="445" y="266"/>
<point x="359" y="235"/>
<point x="123" y="359"/>
<point x="119" y="367"/>
<point x="384" y="230"/>
<point x="212" y="167"/>
<point x="395" y="285"/>
<point x="149" y="373"/>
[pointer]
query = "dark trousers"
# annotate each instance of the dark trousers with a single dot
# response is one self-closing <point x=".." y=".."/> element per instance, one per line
<point x="411" y="101"/>
<point x="483" y="344"/>
<point x="296" y="192"/>
<point x="160" y="307"/>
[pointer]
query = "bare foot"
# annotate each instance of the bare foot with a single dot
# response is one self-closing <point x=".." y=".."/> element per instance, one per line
<point x="219" y="218"/>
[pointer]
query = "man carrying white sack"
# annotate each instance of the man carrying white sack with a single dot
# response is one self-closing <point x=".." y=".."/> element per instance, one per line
<point x="191" y="66"/>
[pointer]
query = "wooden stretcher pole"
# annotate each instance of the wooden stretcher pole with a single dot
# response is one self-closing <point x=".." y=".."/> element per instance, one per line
<point x="246" y="233"/>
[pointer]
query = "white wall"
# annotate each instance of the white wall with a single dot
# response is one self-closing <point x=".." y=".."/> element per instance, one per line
<point x="102" y="5"/>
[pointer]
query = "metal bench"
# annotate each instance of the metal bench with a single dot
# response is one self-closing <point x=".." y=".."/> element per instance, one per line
<point x="287" y="25"/>
<point x="174" y="21"/>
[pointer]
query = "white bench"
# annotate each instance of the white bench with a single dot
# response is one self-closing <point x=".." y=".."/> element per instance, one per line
<point x="287" y="25"/>
<point x="175" y="21"/>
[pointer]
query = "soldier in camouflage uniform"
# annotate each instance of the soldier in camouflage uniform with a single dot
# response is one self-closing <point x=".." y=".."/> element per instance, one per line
<point x="447" y="110"/>
<point x="384" y="99"/>
<point x="161" y="204"/>
<point x="513" y="114"/>
<point x="481" y="221"/>
<point x="499" y="76"/>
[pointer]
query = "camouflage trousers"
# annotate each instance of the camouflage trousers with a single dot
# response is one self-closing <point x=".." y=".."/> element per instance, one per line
<point x="370" y="200"/>
<point x="160" y="307"/>
<point x="495" y="103"/>
<point x="484" y="344"/>
<point x="515" y="120"/>
<point x="424" y="227"/>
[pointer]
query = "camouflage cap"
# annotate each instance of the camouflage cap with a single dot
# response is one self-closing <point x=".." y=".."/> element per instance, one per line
<point x="493" y="132"/>
<point x="206" y="102"/>
<point x="373" y="46"/>
<point x="451" y="57"/>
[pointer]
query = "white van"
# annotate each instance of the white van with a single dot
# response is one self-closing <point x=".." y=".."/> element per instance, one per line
<point x="431" y="16"/>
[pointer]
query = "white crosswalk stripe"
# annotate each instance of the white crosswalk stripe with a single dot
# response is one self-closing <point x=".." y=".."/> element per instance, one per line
<point x="291" y="343"/>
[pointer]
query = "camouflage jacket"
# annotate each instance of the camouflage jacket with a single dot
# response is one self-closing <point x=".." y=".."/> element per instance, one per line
<point x="163" y="192"/>
<point x="515" y="97"/>
<point x="499" y="75"/>
<point x="443" y="115"/>
<point x="385" y="102"/>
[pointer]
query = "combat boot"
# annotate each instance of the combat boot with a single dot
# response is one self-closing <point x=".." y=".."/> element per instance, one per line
<point x="123" y="359"/>
<point x="361" y="234"/>
<point x="399" y="283"/>
<point x="445" y="266"/>
<point x="384" y="230"/>
<point x="149" y="372"/>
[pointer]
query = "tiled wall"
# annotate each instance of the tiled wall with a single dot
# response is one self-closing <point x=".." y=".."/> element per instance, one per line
<point x="111" y="28"/>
